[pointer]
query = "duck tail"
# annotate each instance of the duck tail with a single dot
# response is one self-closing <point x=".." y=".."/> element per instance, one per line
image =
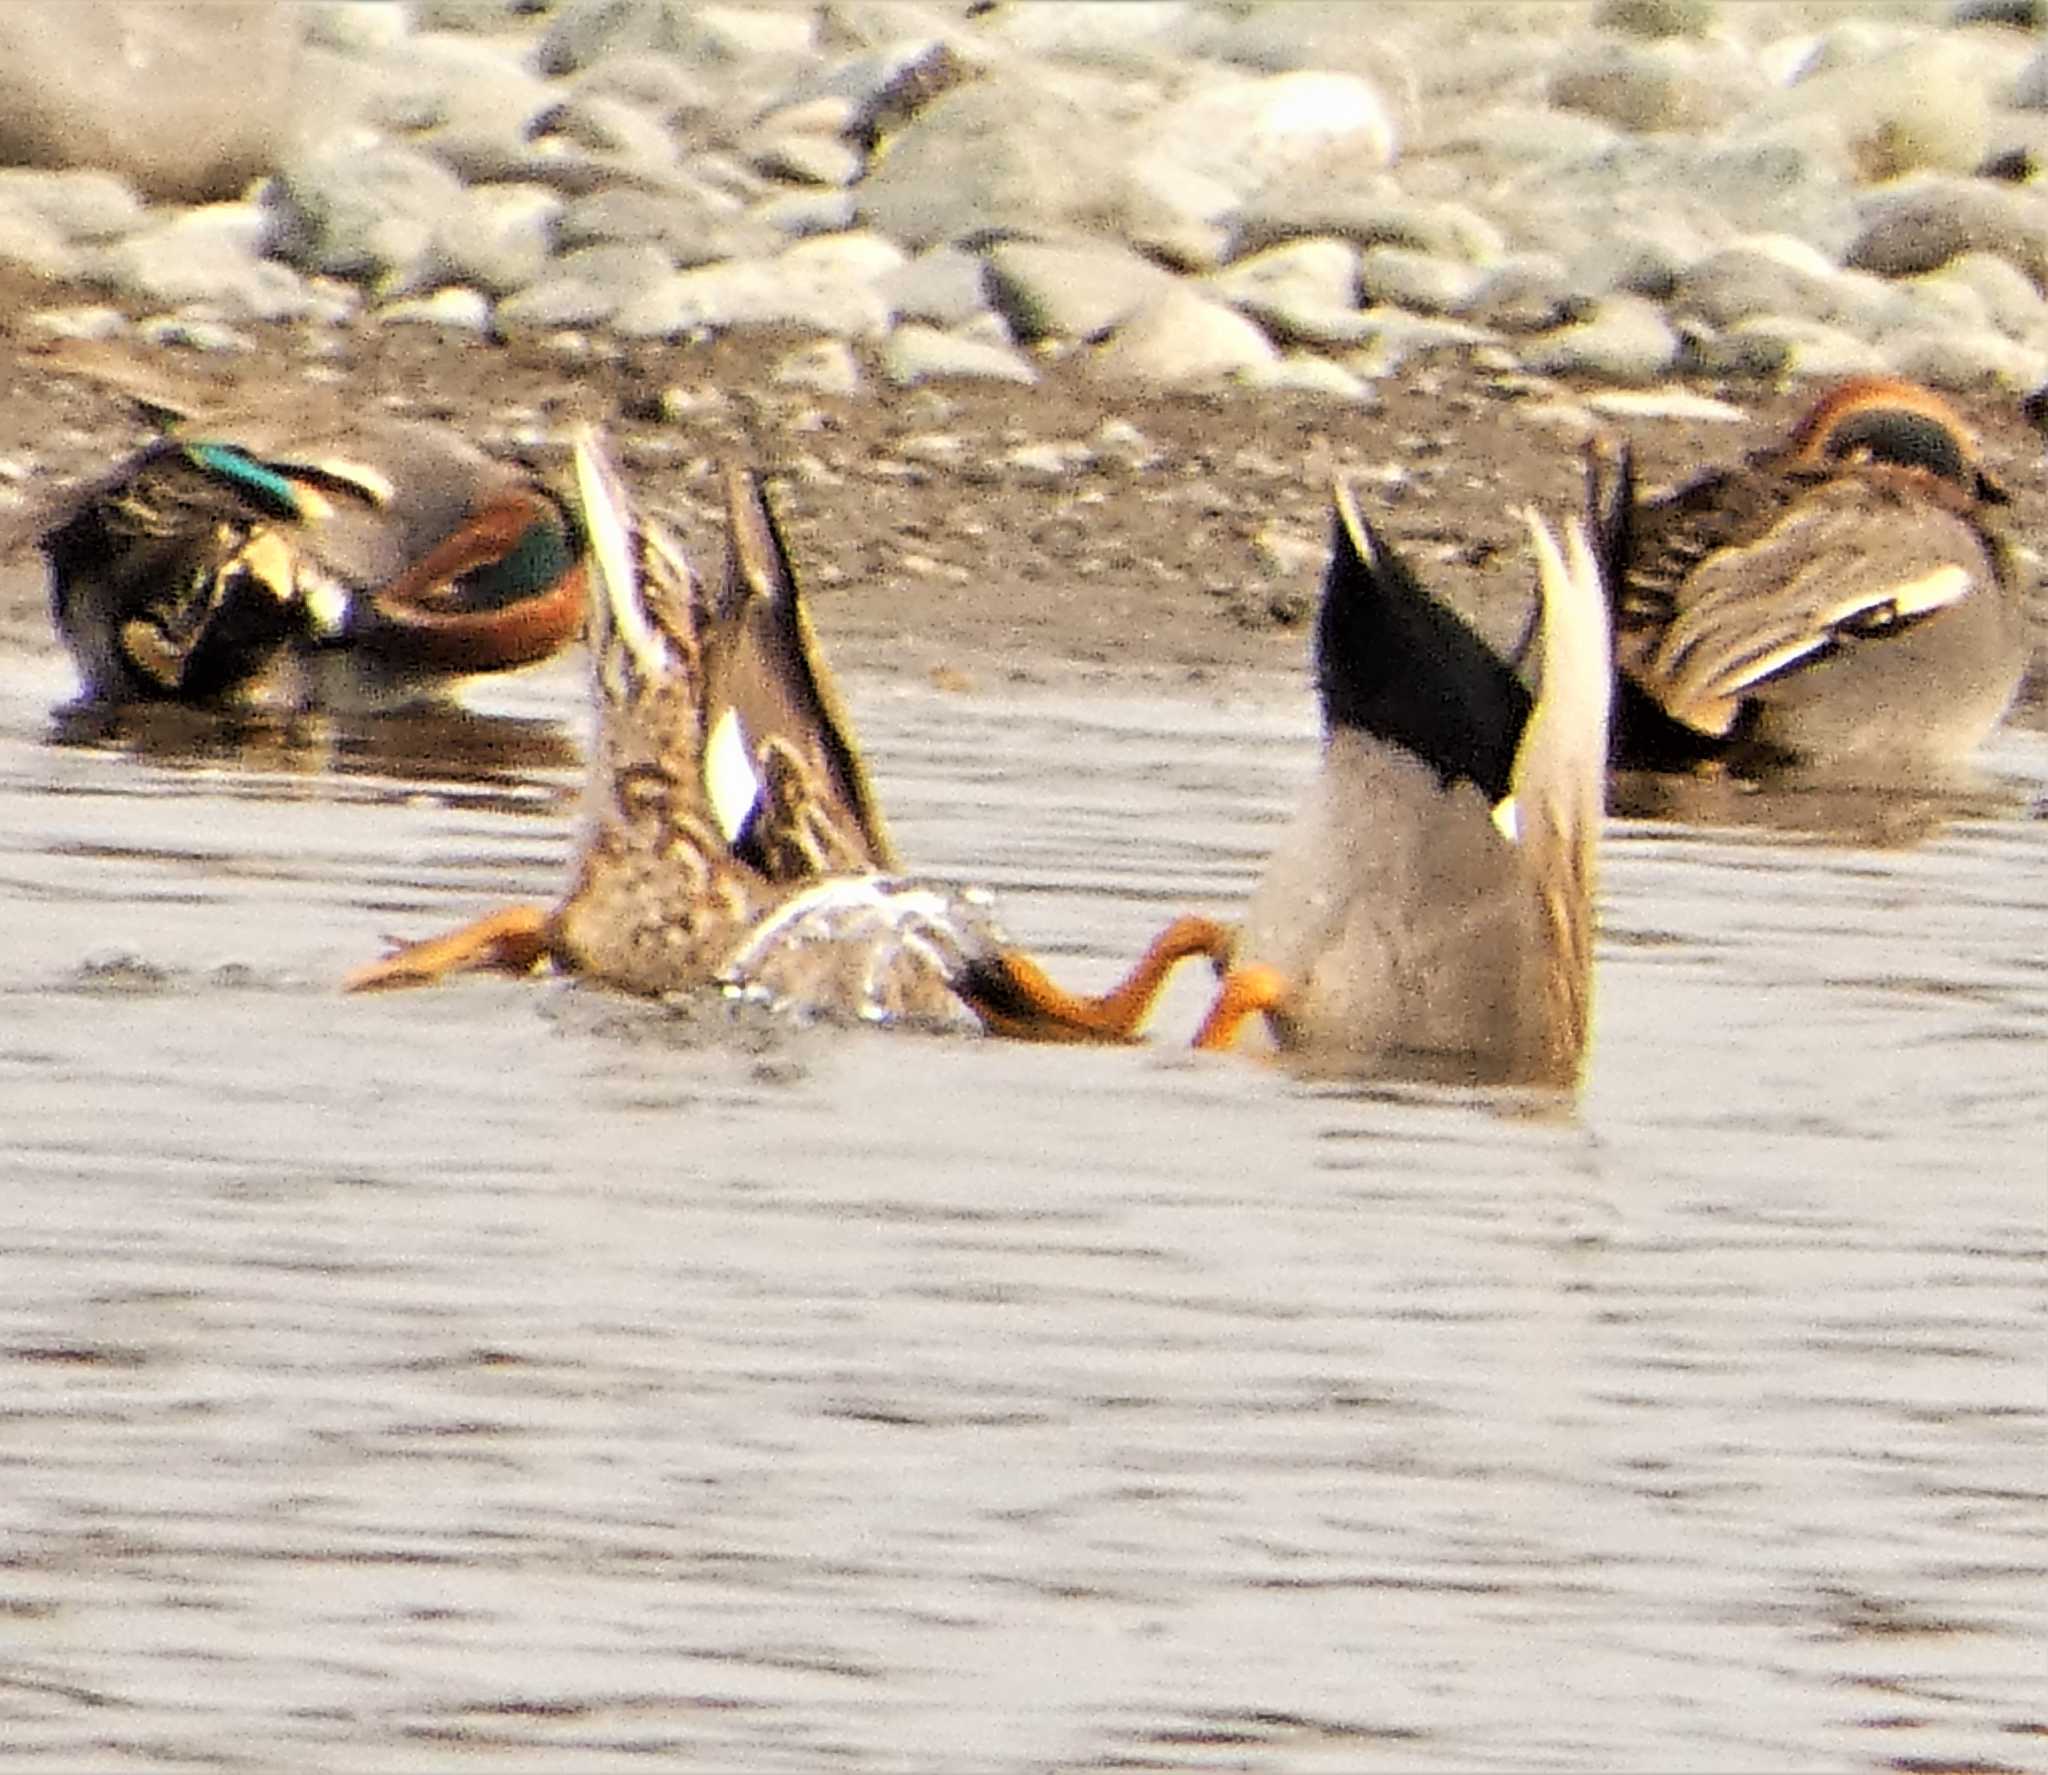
<point x="1560" y="772"/>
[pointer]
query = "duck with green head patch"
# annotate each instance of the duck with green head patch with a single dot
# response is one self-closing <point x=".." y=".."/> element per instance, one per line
<point x="307" y="558"/>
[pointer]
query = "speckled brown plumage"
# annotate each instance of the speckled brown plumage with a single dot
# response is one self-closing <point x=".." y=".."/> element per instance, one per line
<point x="1842" y="598"/>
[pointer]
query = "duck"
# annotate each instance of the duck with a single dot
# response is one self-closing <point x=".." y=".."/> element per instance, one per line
<point x="732" y="841"/>
<point x="1428" y="915"/>
<point x="1841" y="601"/>
<point x="302" y="556"/>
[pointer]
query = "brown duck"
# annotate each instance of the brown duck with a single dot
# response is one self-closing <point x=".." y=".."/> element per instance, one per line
<point x="732" y="841"/>
<point x="1841" y="599"/>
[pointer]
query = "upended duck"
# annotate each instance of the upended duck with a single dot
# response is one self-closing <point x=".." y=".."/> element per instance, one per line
<point x="1429" y="913"/>
<point x="1841" y="599"/>
<point x="732" y="840"/>
<point x="308" y="557"/>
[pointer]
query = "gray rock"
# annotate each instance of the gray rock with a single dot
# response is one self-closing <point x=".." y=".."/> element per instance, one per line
<point x="690" y="224"/>
<point x="499" y="238"/>
<point x="487" y="17"/>
<point x="1654" y="86"/>
<point x="209" y="255"/>
<point x="795" y="214"/>
<point x="1526" y="293"/>
<point x="360" y="27"/>
<point x="1923" y="106"/>
<point x="1170" y="213"/>
<point x="1247" y="133"/>
<point x="752" y="293"/>
<point x="1919" y="224"/>
<point x="884" y="90"/>
<point x="192" y="333"/>
<point x="1320" y="325"/>
<point x="1080" y="291"/>
<point x="1301" y="372"/>
<point x="721" y="35"/>
<point x="93" y="323"/>
<point x="2006" y="295"/>
<point x="469" y="101"/>
<point x="942" y="286"/>
<point x="1368" y="211"/>
<point x="1318" y="273"/>
<point x="1131" y="35"/>
<point x="587" y="31"/>
<point x="1624" y="339"/>
<point x="79" y="207"/>
<point x="1690" y="195"/>
<point x="1179" y="339"/>
<point x="1657" y="18"/>
<point x="1776" y="275"/>
<point x="1420" y="282"/>
<point x="1964" y="361"/>
<point x="826" y="367"/>
<point x="584" y="288"/>
<point x="606" y="125"/>
<point x="657" y="85"/>
<point x="991" y="159"/>
<point x="365" y="211"/>
<point x="1508" y="138"/>
<point x="1645" y="263"/>
<point x="133" y="88"/>
<point x="855" y="256"/>
<point x="917" y="353"/>
<point x="32" y="243"/>
<point x="807" y="159"/>
<point x="456" y="308"/>
<point x="2029" y="89"/>
<point x="1770" y="347"/>
<point x="1394" y="338"/>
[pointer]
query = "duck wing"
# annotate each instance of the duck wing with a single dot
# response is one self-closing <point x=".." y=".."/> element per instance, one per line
<point x="788" y="781"/>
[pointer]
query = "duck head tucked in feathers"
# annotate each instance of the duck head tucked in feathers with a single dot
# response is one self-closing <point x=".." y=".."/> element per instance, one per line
<point x="1843" y="599"/>
<point x="302" y="557"/>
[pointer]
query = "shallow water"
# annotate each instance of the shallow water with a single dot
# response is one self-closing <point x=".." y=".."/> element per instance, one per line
<point x="510" y="1375"/>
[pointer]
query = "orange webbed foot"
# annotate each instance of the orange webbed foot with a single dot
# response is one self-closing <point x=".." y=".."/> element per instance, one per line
<point x="1015" y="997"/>
<point x="1245" y="992"/>
<point x="513" y="940"/>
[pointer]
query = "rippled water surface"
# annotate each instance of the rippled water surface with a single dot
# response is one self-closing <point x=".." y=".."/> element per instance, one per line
<point x="515" y="1376"/>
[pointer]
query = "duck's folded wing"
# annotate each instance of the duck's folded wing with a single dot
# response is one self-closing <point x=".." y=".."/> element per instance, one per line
<point x="1846" y="567"/>
<point x="776" y="728"/>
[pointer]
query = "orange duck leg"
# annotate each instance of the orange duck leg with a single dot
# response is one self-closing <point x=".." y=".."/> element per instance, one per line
<point x="512" y="940"/>
<point x="1013" y="995"/>
<point x="1245" y="992"/>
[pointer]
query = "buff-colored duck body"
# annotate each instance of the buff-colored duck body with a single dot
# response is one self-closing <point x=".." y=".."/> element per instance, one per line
<point x="1429" y="913"/>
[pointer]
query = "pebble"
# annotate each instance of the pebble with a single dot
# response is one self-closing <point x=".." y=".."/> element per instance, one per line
<point x="1179" y="339"/>
<point x="1082" y="291"/>
<point x="1269" y="198"/>
<point x="828" y="367"/>
<point x="463" y="310"/>
<point x="919" y="353"/>
<point x="1624" y="339"/>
